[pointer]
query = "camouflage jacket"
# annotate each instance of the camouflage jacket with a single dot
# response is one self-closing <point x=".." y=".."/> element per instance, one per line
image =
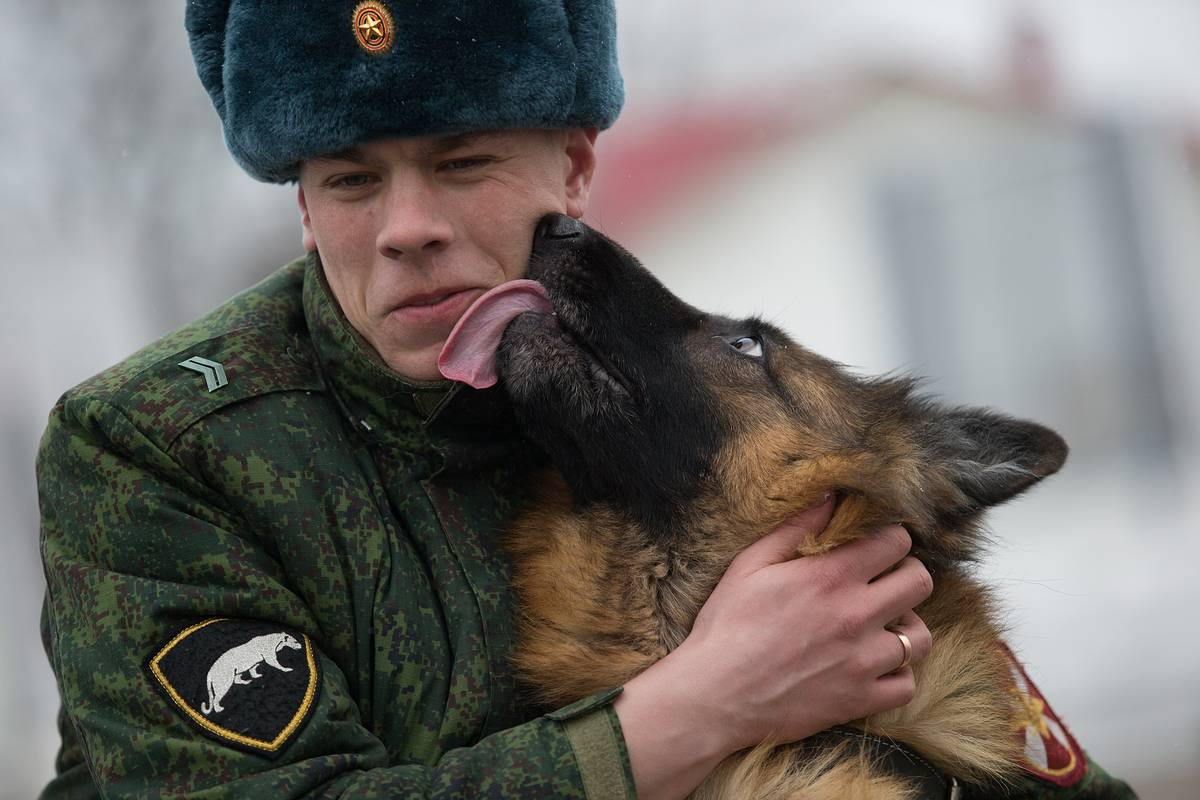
<point x="313" y="501"/>
<point x="272" y="571"/>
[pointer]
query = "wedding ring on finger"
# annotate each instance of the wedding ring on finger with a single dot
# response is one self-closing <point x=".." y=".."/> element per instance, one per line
<point x="906" y="643"/>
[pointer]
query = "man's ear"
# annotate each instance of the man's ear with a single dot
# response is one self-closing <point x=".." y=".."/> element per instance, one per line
<point x="310" y="239"/>
<point x="992" y="458"/>
<point x="581" y="155"/>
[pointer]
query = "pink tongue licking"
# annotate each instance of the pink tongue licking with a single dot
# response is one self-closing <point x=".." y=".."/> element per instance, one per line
<point x="469" y="354"/>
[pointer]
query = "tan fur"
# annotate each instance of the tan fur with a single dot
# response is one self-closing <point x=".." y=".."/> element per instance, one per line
<point x="602" y="600"/>
<point x="770" y="772"/>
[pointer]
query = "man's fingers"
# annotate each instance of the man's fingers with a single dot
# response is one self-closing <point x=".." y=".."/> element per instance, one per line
<point x="873" y="554"/>
<point x="893" y="690"/>
<point x="899" y="591"/>
<point x="888" y="650"/>
<point x="897" y="685"/>
<point x="781" y="543"/>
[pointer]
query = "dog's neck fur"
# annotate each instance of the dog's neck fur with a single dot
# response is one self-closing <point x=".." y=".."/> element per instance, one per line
<point x="962" y="718"/>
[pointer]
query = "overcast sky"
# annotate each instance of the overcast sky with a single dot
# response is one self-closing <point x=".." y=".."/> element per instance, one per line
<point x="1135" y="55"/>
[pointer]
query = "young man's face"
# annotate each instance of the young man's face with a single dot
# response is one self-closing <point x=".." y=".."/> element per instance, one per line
<point x="412" y="230"/>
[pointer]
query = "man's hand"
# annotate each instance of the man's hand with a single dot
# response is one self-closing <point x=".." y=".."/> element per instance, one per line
<point x="785" y="647"/>
<point x="798" y="644"/>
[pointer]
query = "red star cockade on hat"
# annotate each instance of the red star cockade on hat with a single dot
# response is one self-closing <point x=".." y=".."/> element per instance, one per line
<point x="373" y="26"/>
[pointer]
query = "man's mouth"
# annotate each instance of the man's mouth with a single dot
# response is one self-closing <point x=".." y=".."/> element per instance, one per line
<point x="441" y="308"/>
<point x="433" y="298"/>
<point x="432" y="301"/>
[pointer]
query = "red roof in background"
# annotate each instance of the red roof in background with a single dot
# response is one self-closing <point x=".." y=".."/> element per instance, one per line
<point x="648" y="161"/>
<point x="645" y="164"/>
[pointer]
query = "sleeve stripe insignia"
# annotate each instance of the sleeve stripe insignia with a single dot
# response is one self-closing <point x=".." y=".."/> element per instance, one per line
<point x="213" y="371"/>
<point x="1050" y="752"/>
<point x="247" y="683"/>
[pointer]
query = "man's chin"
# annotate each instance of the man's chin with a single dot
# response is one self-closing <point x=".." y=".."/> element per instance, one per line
<point x="414" y="358"/>
<point x="417" y="370"/>
<point x="416" y="367"/>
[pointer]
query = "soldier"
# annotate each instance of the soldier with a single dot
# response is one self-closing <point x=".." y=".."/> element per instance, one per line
<point x="270" y="538"/>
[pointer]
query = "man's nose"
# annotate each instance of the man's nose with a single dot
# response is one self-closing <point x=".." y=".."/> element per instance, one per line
<point x="415" y="222"/>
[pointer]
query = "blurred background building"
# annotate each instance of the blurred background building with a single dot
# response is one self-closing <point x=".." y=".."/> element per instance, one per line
<point x="1002" y="196"/>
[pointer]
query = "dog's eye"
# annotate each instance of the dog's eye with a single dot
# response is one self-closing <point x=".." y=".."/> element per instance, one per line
<point x="748" y="346"/>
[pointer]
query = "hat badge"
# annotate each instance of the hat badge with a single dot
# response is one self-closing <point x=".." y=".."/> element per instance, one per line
<point x="373" y="26"/>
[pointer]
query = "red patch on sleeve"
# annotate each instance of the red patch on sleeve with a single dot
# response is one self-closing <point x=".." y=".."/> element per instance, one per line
<point x="1050" y="751"/>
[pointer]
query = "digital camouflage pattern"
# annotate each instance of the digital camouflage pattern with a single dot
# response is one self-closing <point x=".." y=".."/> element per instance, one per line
<point x="318" y="492"/>
<point x="1095" y="785"/>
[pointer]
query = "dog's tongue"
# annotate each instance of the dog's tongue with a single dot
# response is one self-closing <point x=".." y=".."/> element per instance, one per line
<point x="469" y="354"/>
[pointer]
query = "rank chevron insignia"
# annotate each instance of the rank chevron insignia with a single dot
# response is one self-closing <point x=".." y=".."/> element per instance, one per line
<point x="214" y="373"/>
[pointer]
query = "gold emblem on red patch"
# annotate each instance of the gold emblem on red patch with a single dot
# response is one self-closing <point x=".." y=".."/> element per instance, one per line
<point x="1050" y="751"/>
<point x="373" y="26"/>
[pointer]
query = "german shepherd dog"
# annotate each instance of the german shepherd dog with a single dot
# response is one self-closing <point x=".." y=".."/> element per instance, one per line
<point x="678" y="438"/>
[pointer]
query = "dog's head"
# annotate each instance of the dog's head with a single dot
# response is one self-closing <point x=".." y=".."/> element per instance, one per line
<point x="669" y="413"/>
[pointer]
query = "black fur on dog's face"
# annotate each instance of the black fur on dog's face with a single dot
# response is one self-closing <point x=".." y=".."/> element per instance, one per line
<point x="606" y="386"/>
<point x="665" y="411"/>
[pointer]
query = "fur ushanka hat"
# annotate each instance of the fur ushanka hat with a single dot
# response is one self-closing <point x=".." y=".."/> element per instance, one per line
<point x="292" y="80"/>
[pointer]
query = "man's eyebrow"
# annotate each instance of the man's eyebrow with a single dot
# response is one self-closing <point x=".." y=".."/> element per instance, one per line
<point x="351" y="154"/>
<point x="445" y="144"/>
<point x="442" y="144"/>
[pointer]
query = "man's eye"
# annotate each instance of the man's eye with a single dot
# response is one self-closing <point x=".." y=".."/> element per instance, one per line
<point x="355" y="181"/>
<point x="748" y="346"/>
<point x="460" y="164"/>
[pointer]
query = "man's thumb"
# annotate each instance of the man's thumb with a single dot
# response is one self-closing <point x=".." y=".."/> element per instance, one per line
<point x="781" y="544"/>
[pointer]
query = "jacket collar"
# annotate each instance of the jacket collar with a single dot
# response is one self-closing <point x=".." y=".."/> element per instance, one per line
<point x="379" y="401"/>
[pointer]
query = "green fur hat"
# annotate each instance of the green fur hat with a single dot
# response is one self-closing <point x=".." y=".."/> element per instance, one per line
<point x="292" y="80"/>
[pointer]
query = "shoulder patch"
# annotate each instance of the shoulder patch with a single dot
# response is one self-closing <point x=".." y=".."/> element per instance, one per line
<point x="171" y="395"/>
<point x="246" y="683"/>
<point x="1050" y="751"/>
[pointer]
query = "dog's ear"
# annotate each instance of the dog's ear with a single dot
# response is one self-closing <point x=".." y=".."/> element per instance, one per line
<point x="990" y="457"/>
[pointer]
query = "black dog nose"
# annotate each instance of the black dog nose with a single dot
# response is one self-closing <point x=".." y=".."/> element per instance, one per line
<point x="558" y="226"/>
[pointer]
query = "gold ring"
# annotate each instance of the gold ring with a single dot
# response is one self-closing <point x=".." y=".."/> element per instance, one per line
<point x="904" y="640"/>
